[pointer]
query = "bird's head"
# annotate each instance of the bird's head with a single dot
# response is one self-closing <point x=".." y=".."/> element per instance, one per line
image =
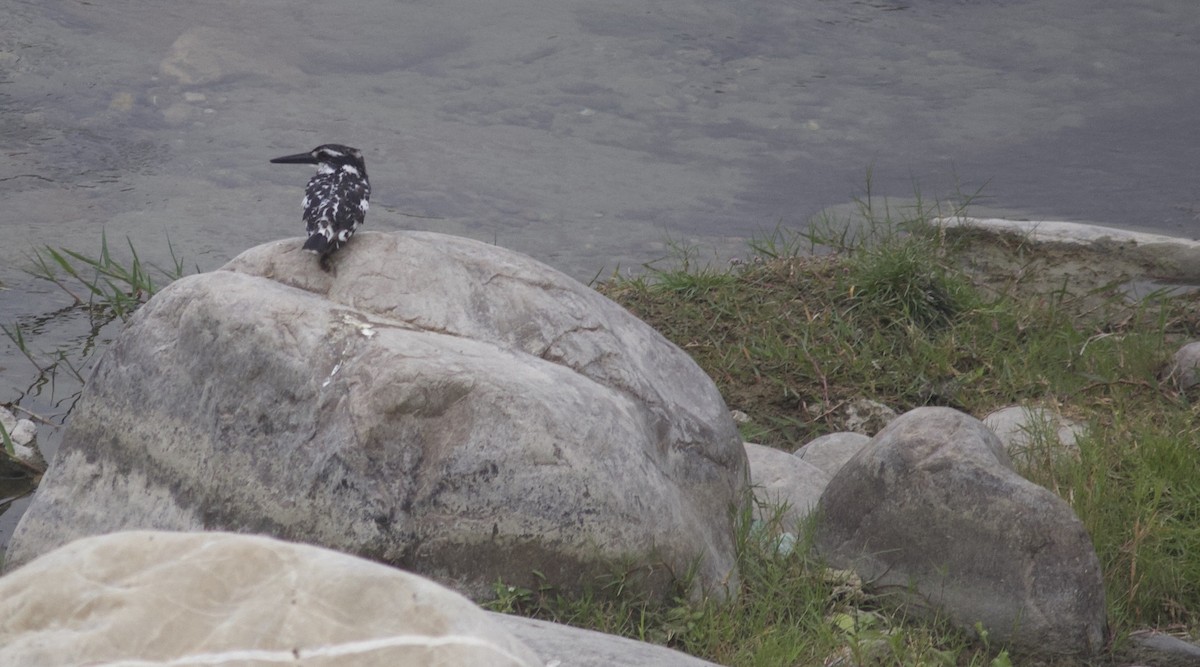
<point x="328" y="158"/>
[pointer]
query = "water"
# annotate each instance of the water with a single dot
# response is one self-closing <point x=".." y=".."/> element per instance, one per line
<point x="589" y="135"/>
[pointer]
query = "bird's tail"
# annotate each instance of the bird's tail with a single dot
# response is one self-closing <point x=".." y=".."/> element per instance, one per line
<point x="317" y="243"/>
<point x="320" y="246"/>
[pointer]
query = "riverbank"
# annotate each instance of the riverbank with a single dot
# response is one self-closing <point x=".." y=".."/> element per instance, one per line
<point x="1082" y="321"/>
<point x="906" y="313"/>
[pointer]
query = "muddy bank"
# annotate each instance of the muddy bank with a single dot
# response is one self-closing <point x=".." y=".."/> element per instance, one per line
<point x="1080" y="261"/>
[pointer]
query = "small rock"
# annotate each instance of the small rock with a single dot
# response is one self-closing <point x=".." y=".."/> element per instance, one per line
<point x="22" y="433"/>
<point x="1163" y="650"/>
<point x="781" y="479"/>
<point x="862" y="415"/>
<point x="179" y="113"/>
<point x="31" y="457"/>
<point x="204" y="55"/>
<point x="1184" y="369"/>
<point x="831" y="451"/>
<point x="1019" y="428"/>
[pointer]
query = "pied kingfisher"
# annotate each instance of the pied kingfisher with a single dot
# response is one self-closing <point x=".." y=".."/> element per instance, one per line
<point x="336" y="199"/>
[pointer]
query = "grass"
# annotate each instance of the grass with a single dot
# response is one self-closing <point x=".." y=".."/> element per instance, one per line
<point x="111" y="285"/>
<point x="902" y="311"/>
<point x="6" y="440"/>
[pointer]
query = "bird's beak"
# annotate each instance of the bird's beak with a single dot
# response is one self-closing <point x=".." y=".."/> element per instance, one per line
<point x="298" y="158"/>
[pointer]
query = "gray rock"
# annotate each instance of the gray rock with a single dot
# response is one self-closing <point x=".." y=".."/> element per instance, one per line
<point x="781" y="479"/>
<point x="20" y="431"/>
<point x="831" y="451"/>
<point x="1027" y="432"/>
<point x="1163" y="650"/>
<point x="220" y="598"/>
<point x="21" y="434"/>
<point x="932" y="511"/>
<point x="863" y="415"/>
<point x="204" y="55"/>
<point x="566" y="646"/>
<point x="440" y="404"/>
<point x="1184" y="369"/>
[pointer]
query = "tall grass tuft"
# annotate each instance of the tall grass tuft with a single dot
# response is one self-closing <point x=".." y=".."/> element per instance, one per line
<point x="109" y="284"/>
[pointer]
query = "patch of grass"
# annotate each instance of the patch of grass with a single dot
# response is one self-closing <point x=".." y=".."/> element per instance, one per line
<point x="893" y="307"/>
<point x="899" y="285"/>
<point x="686" y="277"/>
<point x="111" y="285"/>
<point x="1135" y="488"/>
<point x="790" y="610"/>
<point x="904" y="320"/>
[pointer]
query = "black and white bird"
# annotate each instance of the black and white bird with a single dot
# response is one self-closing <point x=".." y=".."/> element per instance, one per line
<point x="336" y="199"/>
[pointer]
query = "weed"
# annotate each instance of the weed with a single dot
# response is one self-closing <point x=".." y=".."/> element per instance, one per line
<point x="898" y="284"/>
<point x="687" y="278"/>
<point x="109" y="284"/>
<point x="6" y="440"/>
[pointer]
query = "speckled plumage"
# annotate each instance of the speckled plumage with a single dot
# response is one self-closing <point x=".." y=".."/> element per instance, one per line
<point x="336" y="199"/>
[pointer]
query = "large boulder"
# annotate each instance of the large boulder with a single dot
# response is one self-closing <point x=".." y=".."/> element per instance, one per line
<point x="439" y="404"/>
<point x="222" y="598"/>
<point x="932" y="511"/>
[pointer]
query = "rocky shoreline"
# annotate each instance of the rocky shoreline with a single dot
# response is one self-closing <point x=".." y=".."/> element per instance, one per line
<point x="470" y="415"/>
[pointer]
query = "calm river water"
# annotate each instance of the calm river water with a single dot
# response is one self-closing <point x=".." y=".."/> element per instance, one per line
<point x="585" y="134"/>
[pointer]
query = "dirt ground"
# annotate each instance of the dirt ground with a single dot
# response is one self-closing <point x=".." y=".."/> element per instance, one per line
<point x="1093" y="272"/>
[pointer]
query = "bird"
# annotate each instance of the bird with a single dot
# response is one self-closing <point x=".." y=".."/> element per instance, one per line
<point x="336" y="199"/>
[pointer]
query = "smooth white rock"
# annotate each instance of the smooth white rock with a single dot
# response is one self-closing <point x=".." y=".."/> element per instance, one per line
<point x="155" y="598"/>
